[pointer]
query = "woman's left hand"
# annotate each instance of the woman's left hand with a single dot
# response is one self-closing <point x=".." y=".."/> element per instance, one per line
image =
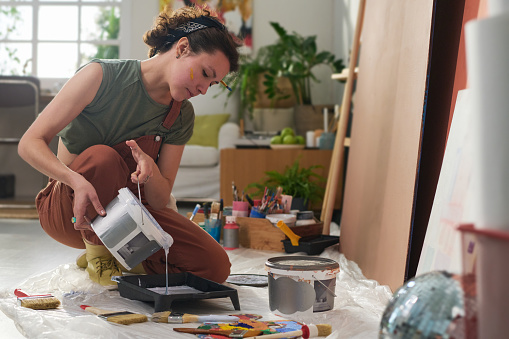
<point x="145" y="164"/>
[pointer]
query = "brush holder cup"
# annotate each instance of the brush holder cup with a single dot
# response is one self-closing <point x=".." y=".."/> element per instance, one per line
<point x="240" y="209"/>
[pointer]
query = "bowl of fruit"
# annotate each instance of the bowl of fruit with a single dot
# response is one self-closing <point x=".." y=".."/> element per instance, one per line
<point x="287" y="140"/>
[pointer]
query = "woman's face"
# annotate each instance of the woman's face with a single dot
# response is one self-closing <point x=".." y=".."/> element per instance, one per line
<point x="193" y="74"/>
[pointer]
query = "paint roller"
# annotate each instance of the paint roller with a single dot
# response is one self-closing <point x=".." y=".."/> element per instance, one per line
<point x="294" y="238"/>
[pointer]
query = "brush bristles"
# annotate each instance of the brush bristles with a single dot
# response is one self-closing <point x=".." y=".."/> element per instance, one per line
<point x="38" y="303"/>
<point x="127" y="319"/>
<point x="161" y="317"/>
<point x="324" y="330"/>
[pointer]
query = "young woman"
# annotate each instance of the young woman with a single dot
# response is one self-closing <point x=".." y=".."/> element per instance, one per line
<point x="124" y="122"/>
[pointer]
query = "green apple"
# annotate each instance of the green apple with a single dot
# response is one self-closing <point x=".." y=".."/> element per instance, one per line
<point x="275" y="140"/>
<point x="300" y="140"/>
<point x="287" y="131"/>
<point x="289" y="139"/>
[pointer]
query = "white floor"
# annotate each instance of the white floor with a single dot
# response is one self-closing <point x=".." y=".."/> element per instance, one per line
<point x="26" y="250"/>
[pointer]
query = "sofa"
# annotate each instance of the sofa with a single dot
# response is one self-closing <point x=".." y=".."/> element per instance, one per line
<point x="198" y="175"/>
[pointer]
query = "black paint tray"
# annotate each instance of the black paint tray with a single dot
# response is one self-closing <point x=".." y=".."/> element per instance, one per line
<point x="136" y="287"/>
<point x="312" y="245"/>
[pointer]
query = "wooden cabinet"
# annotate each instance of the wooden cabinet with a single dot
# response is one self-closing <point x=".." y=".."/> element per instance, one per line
<point x="244" y="166"/>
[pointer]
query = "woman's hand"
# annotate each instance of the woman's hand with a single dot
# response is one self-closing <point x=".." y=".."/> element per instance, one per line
<point x="85" y="195"/>
<point x="145" y="164"/>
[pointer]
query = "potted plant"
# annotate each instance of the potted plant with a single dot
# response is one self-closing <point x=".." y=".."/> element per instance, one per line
<point x="268" y="111"/>
<point x="291" y="57"/>
<point x="303" y="184"/>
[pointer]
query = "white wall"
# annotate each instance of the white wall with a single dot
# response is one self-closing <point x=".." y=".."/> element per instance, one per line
<point x="332" y="21"/>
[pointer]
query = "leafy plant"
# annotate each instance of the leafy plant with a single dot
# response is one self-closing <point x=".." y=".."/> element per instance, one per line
<point x="109" y="24"/>
<point x="12" y="16"/>
<point x="246" y="79"/>
<point x="296" y="181"/>
<point x="292" y="56"/>
<point x="299" y="57"/>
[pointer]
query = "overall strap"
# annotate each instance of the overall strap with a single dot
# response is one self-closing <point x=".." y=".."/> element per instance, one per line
<point x="173" y="113"/>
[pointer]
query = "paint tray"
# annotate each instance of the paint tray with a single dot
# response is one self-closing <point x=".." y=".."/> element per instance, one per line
<point x="312" y="245"/>
<point x="181" y="286"/>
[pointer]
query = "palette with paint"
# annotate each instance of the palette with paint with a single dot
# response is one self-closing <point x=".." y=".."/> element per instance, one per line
<point x="181" y="286"/>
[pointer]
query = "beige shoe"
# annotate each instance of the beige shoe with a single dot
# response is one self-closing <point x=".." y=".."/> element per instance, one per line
<point x="136" y="270"/>
<point x="81" y="260"/>
<point x="101" y="264"/>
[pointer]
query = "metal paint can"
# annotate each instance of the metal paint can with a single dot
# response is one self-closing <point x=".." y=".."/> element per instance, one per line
<point x="301" y="284"/>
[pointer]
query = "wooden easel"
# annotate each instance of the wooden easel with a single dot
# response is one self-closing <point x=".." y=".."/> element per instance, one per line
<point x="338" y="152"/>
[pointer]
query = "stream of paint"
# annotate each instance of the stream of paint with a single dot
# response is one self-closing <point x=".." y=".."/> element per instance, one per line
<point x="166" y="251"/>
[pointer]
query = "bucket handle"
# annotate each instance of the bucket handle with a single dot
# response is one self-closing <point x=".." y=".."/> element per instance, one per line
<point x="334" y="294"/>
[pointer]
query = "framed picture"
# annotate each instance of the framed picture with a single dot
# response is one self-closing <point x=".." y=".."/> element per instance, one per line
<point x="237" y="15"/>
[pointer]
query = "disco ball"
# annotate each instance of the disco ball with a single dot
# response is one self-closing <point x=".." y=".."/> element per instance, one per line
<point x="424" y="307"/>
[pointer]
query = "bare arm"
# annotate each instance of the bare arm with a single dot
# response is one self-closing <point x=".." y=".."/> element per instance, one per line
<point x="78" y="92"/>
<point x="157" y="178"/>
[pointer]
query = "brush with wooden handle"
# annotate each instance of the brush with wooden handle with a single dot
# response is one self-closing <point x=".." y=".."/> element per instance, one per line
<point x="307" y="331"/>
<point x="123" y="318"/>
<point x="182" y="318"/>
<point x="236" y="333"/>
<point x="36" y="302"/>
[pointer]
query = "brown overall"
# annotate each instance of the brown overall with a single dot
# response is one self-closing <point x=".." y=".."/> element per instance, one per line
<point x="109" y="169"/>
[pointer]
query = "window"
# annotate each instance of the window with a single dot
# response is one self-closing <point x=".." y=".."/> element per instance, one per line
<point x="50" y="39"/>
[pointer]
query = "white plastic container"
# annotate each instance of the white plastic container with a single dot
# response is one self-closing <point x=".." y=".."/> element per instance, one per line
<point x="129" y="231"/>
<point x="288" y="219"/>
<point x="300" y="285"/>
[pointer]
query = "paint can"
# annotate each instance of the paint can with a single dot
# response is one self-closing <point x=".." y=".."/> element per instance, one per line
<point x="231" y="234"/>
<point x="300" y="285"/>
<point x="129" y="231"/>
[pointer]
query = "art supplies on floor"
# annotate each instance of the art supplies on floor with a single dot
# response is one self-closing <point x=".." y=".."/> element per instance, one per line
<point x="36" y="302"/>
<point x="226" y="333"/>
<point x="123" y="317"/>
<point x="182" y="318"/>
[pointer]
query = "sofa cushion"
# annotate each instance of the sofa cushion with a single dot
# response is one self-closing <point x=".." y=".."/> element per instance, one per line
<point x="199" y="156"/>
<point x="206" y="129"/>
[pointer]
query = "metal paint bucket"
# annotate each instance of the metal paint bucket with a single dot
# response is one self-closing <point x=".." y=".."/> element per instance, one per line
<point x="129" y="231"/>
<point x="301" y="284"/>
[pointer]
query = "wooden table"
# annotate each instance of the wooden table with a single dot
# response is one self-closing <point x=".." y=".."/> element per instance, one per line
<point x="245" y="166"/>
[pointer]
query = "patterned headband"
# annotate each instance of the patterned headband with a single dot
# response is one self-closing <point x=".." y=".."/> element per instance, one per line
<point x="192" y="26"/>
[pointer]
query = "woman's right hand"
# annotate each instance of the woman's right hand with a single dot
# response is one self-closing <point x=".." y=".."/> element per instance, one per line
<point x="85" y="195"/>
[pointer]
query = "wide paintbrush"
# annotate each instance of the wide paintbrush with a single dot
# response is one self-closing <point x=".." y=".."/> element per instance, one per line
<point x="237" y="333"/>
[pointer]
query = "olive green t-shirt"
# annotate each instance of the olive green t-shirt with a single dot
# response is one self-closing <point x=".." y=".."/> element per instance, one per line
<point x="123" y="110"/>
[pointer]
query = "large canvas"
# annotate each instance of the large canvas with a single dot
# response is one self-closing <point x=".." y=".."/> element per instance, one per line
<point x="236" y="14"/>
<point x="454" y="198"/>
<point x="386" y="136"/>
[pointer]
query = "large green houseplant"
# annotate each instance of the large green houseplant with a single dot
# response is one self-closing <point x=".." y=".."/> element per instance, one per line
<point x="293" y="57"/>
<point x="298" y="56"/>
<point x="299" y="182"/>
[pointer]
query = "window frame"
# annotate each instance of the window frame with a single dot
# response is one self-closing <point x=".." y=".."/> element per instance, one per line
<point x="54" y="84"/>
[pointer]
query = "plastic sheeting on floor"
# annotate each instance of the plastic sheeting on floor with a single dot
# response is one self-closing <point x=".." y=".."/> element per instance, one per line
<point x="357" y="311"/>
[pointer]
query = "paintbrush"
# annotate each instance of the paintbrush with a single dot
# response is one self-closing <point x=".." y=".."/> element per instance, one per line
<point x="181" y="318"/>
<point x="225" y="85"/>
<point x="236" y="333"/>
<point x="307" y="331"/>
<point x="123" y="318"/>
<point x="196" y="209"/>
<point x="36" y="302"/>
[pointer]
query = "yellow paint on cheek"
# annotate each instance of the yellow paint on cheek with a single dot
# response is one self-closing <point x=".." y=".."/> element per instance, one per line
<point x="192" y="76"/>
